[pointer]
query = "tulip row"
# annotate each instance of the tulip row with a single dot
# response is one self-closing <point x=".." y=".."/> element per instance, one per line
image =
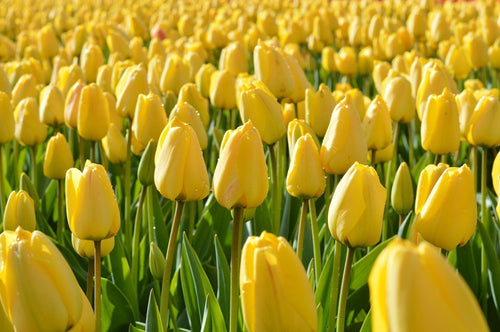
<point x="223" y="160"/>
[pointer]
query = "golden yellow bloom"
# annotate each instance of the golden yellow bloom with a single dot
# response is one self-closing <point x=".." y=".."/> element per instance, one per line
<point x="377" y="125"/>
<point x="24" y="88"/>
<point x="72" y="104"/>
<point x="477" y="50"/>
<point x="223" y="90"/>
<point x="29" y="130"/>
<point x="187" y="114"/>
<point x="114" y="145"/>
<point x="47" y="41"/>
<point x="51" y="106"/>
<point x="296" y="129"/>
<point x="7" y="123"/>
<point x="484" y="122"/>
<point x="346" y="61"/>
<point x="19" y="212"/>
<point x="428" y="178"/>
<point x="203" y="77"/>
<point x="175" y="74"/>
<point x="301" y="83"/>
<point x="234" y="58"/>
<point x="90" y="61"/>
<point x="466" y="103"/>
<point x="85" y="248"/>
<point x="67" y="77"/>
<point x="328" y="59"/>
<point x="133" y="83"/>
<point x="458" y="62"/>
<point x="191" y="95"/>
<point x="149" y="118"/>
<point x="398" y="96"/>
<point x="93" y="113"/>
<point x="58" y="157"/>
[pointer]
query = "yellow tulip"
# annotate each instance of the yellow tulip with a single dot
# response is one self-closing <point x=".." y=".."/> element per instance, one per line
<point x="296" y="129"/>
<point x="187" y="114"/>
<point x="495" y="173"/>
<point x="301" y="83"/>
<point x="328" y="59"/>
<point x="402" y="190"/>
<point x="139" y="52"/>
<point x="93" y="113"/>
<point x="381" y="156"/>
<point x="357" y="208"/>
<point x="117" y="43"/>
<point x="357" y="100"/>
<point x="5" y="85"/>
<point x="223" y="90"/>
<point x="275" y="291"/>
<point x="103" y="78"/>
<point x="240" y="178"/>
<point x="24" y="88"/>
<point x="319" y="108"/>
<point x="175" y="74"/>
<point x="398" y="96"/>
<point x="266" y="23"/>
<point x="428" y="178"/>
<point x="29" y="130"/>
<point x="149" y="118"/>
<point x="234" y="58"/>
<point x="203" y="78"/>
<point x="67" y="77"/>
<point x="114" y="145"/>
<point x="346" y="61"/>
<point x="85" y="248"/>
<point x="191" y="95"/>
<point x="365" y="60"/>
<point x="439" y="27"/>
<point x="494" y="55"/>
<point x="377" y="125"/>
<point x="7" y="123"/>
<point x="477" y="50"/>
<point x="133" y="83"/>
<point x="288" y="113"/>
<point x="415" y="289"/>
<point x="180" y="173"/>
<point x="321" y="31"/>
<point x="484" y="122"/>
<point x="417" y="22"/>
<point x="38" y="289"/>
<point x="380" y="72"/>
<point x="19" y="212"/>
<point x="71" y="105"/>
<point x="91" y="204"/>
<point x="90" y="61"/>
<point x="458" y="62"/>
<point x="51" y="106"/>
<point x="344" y="142"/>
<point x="58" y="157"/>
<point x="440" y="125"/>
<point x="466" y="102"/>
<point x="305" y="178"/>
<point x="47" y="41"/>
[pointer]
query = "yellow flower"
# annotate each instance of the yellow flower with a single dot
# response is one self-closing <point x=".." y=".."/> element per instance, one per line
<point x="149" y="118"/>
<point x="377" y="125"/>
<point x="51" y="106"/>
<point x="203" y="78"/>
<point x="346" y="61"/>
<point x="428" y="178"/>
<point x="319" y="108"/>
<point x="72" y="104"/>
<point x="175" y="74"/>
<point x="133" y="83"/>
<point x="19" y="212"/>
<point x="398" y="96"/>
<point x="85" y="248"/>
<point x="275" y="291"/>
<point x="114" y="145"/>
<point x="234" y="58"/>
<point x="24" y="88"/>
<point x="223" y="90"/>
<point x="458" y="62"/>
<point x="466" y="102"/>
<point x="29" y="130"/>
<point x="477" y="50"/>
<point x="187" y="114"/>
<point x="7" y="123"/>
<point x="484" y="123"/>
<point x="90" y="61"/>
<point x="58" y="157"/>
<point x="296" y="129"/>
<point x="93" y="113"/>
<point x="191" y="95"/>
<point x="328" y="59"/>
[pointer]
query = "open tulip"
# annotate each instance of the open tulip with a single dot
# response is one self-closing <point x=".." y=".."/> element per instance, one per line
<point x="415" y="289"/>
<point x="319" y="108"/>
<point x="275" y="292"/>
<point x="484" y="122"/>
<point x="29" y="130"/>
<point x="58" y="157"/>
<point x="240" y="178"/>
<point x="91" y="203"/>
<point x="357" y="208"/>
<point x="7" y="123"/>
<point x="19" y="211"/>
<point x="93" y="113"/>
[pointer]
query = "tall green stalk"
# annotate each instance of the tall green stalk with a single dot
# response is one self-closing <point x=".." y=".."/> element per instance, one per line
<point x="61" y="221"/>
<point x="126" y="186"/>
<point x="315" y="237"/>
<point x="137" y="237"/>
<point x="302" y="228"/>
<point x="97" y="288"/>
<point x="335" y="284"/>
<point x="388" y="179"/>
<point x="90" y="280"/>
<point x="276" y="214"/>
<point x="34" y="167"/>
<point x="235" y="267"/>
<point x="484" y="220"/>
<point x="344" y="290"/>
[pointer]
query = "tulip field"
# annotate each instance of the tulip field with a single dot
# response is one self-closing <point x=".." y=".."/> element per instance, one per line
<point x="260" y="166"/>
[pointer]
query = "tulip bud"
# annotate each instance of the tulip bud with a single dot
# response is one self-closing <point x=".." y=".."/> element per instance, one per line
<point x="133" y="83"/>
<point x="19" y="212"/>
<point x="90" y="61"/>
<point x="7" y="123"/>
<point x="296" y="129"/>
<point x="398" y="96"/>
<point x="346" y="61"/>
<point x="29" y="130"/>
<point x="187" y="114"/>
<point x="223" y="90"/>
<point x="91" y="203"/>
<point x="477" y="50"/>
<point x="31" y="264"/>
<point x="58" y="157"/>
<point x="146" y="169"/>
<point x="240" y="178"/>
<point x="405" y="279"/>
<point x="344" y="141"/>
<point x="275" y="291"/>
<point x="305" y="178"/>
<point x="493" y="52"/>
<point x="203" y="78"/>
<point x="47" y="41"/>
<point x="450" y="205"/>
<point x="191" y="95"/>
<point x="24" y="88"/>
<point x="319" y="108"/>
<point x="266" y="23"/>
<point x="51" y="106"/>
<point x="149" y="118"/>
<point x="301" y="83"/>
<point x="483" y="123"/>
<point x="180" y="173"/>
<point x="103" y="78"/>
<point x="357" y="100"/>
<point x="175" y="74"/>
<point x="264" y="111"/>
<point x="117" y="44"/>
<point x="377" y="125"/>
<point x="458" y="62"/>
<point x="440" y="126"/>
<point x="156" y="261"/>
<point x="365" y="61"/>
<point x="402" y="190"/>
<point x="328" y="59"/>
<point x="139" y="52"/>
<point x="234" y="59"/>
<point x="85" y="248"/>
<point x="93" y="113"/>
<point x="357" y="208"/>
<point x="114" y="145"/>
<point x="288" y="113"/>
<point x="428" y="178"/>
<point x="273" y="70"/>
<point x="72" y="104"/>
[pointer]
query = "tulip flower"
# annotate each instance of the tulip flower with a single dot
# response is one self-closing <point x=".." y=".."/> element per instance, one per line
<point x="90" y="61"/>
<point x="175" y="74"/>
<point x="115" y="145"/>
<point x="301" y="83"/>
<point x="29" y="130"/>
<point x="234" y="59"/>
<point x="93" y="113"/>
<point x="319" y="108"/>
<point x="296" y="129"/>
<point x="402" y="190"/>
<point x="495" y="173"/>
<point x="365" y="60"/>
<point x="91" y="203"/>
<point x="117" y="43"/>
<point x="397" y="94"/>
<point x="24" y="88"/>
<point x="133" y="83"/>
<point x="32" y="265"/>
<point x="275" y="291"/>
<point x="346" y="61"/>
<point x="288" y="113"/>
<point x="103" y="78"/>
<point x="7" y="123"/>
<point x="72" y="104"/>
<point x="428" y="178"/>
<point x="191" y="95"/>
<point x="440" y="125"/>
<point x="477" y="50"/>
<point x="448" y="217"/>
<point x="58" y="158"/>
<point x="47" y="41"/>
<point x="149" y="118"/>
<point x="223" y="90"/>
<point x="85" y="248"/>
<point x="187" y="114"/>
<point x="344" y="142"/>
<point x="380" y="73"/>
<point x="458" y="62"/>
<point x="377" y="125"/>
<point x="483" y="123"/>
<point x="19" y="212"/>
<point x="156" y="261"/>
<point x="357" y="207"/>
<point x="328" y="59"/>
<point x="51" y="106"/>
<point x="415" y="289"/>
<point x="67" y="77"/>
<point x="466" y="102"/>
<point x="203" y="78"/>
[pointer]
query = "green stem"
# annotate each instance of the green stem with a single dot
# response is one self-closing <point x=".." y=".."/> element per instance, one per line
<point x="315" y="238"/>
<point x="474" y="165"/>
<point x="2" y="184"/>
<point x="126" y="212"/>
<point x="275" y="193"/>
<point x="16" y="164"/>
<point x="90" y="280"/>
<point x="81" y="153"/>
<point x="169" y="260"/>
<point x="137" y="237"/>
<point x="151" y="226"/>
<point x="388" y="184"/>
<point x="235" y="267"/>
<point x="60" y="210"/>
<point x="34" y="169"/>
<point x="97" y="288"/>
<point x="335" y="283"/>
<point x="344" y="289"/>
<point x="93" y="154"/>
<point x="484" y="220"/>
<point x="104" y="158"/>
<point x="410" y="145"/>
<point x="302" y="228"/>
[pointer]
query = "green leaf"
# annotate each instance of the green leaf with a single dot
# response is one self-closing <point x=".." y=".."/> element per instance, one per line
<point x="405" y="226"/>
<point x="117" y="314"/>
<point x="223" y="280"/>
<point x="467" y="267"/>
<point x="367" y="324"/>
<point x="323" y="290"/>
<point x="493" y="266"/>
<point x="153" y="319"/>
<point x="132" y="328"/>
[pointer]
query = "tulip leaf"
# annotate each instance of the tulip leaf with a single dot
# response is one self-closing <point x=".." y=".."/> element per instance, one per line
<point x="367" y="324"/>
<point x="198" y="292"/>
<point x="466" y="265"/>
<point x="117" y="313"/>
<point x="160" y="228"/>
<point x="493" y="266"/>
<point x="132" y="328"/>
<point x="205" y="324"/>
<point x="405" y="226"/>
<point x="153" y="319"/>
<point x="323" y="290"/>
<point x="223" y="280"/>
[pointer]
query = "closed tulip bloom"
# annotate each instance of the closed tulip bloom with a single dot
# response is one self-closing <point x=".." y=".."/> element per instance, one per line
<point x="7" y="123"/>
<point x="133" y="83"/>
<point x="52" y="106"/>
<point x="275" y="291"/>
<point x="85" y="248"/>
<point x="273" y="70"/>
<point x="90" y="61"/>
<point x="457" y="62"/>
<point x="344" y="142"/>
<point x="415" y="289"/>
<point x="103" y="78"/>
<point x="191" y="95"/>
<point x="402" y="190"/>
<point x="240" y="178"/>
<point x="346" y="61"/>
<point x="428" y="178"/>
<point x="301" y="83"/>
<point x="203" y="78"/>
<point x="117" y="43"/>
<point x="115" y="145"/>
<point x="494" y="55"/>
<point x="180" y="173"/>
<point x="377" y="125"/>
<point x="448" y="217"/>
<point x="466" y="102"/>
<point x="381" y="156"/>
<point x="305" y="178"/>
<point x="47" y="41"/>
<point x="234" y="58"/>
<point x="24" y="88"/>
<point x="93" y="113"/>
<point x="288" y="113"/>
<point x="32" y="265"/>
<point x="380" y="72"/>
<point x="296" y="129"/>
<point x="223" y="90"/>
<point x="365" y="61"/>
<point x="175" y="74"/>
<point x="187" y="114"/>
<point x="319" y="108"/>
<point x="149" y="118"/>
<point x="398" y="96"/>
<point x="67" y="77"/>
<point x="440" y="125"/>
<point x="72" y="104"/>
<point x="417" y="22"/>
<point x="5" y="85"/>
<point x="29" y="130"/>
<point x="19" y="212"/>
<point x="477" y="50"/>
<point x="439" y="28"/>
<point x="91" y="203"/>
<point x="258" y="106"/>
<point x="328" y="59"/>
<point x="483" y="125"/>
<point x="495" y="173"/>
<point x="58" y="157"/>
<point x="357" y="208"/>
